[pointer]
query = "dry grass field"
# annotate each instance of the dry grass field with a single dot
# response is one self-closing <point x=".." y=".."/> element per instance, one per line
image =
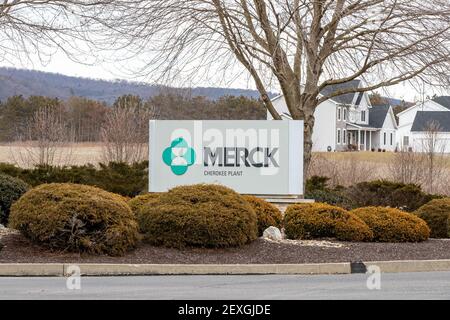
<point x="348" y="168"/>
<point x="76" y="154"/>
<point x="82" y="153"/>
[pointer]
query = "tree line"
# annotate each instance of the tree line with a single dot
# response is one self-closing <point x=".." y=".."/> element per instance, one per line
<point x="84" y="119"/>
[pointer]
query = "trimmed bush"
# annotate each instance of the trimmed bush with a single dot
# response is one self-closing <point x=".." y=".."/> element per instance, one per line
<point x="11" y="189"/>
<point x="75" y="218"/>
<point x="319" y="220"/>
<point x="407" y="197"/>
<point x="266" y="213"/>
<point x="317" y="188"/>
<point x="125" y="179"/>
<point x="199" y="215"/>
<point x="142" y="200"/>
<point x="330" y="196"/>
<point x="315" y="183"/>
<point x="393" y="225"/>
<point x="436" y="214"/>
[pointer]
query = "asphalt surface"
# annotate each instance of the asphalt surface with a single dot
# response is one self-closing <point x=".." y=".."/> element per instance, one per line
<point x="429" y="285"/>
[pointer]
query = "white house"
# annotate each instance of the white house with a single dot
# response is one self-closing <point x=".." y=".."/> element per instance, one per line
<point x="414" y="122"/>
<point x="348" y="121"/>
<point x="431" y="132"/>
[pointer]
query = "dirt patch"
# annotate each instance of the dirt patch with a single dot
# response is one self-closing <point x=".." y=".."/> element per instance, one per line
<point x="17" y="249"/>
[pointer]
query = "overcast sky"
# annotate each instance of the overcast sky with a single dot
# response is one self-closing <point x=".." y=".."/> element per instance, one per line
<point x="60" y="63"/>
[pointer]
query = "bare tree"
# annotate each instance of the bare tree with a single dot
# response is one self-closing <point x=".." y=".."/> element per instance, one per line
<point x="300" y="46"/>
<point x="47" y="140"/>
<point x="37" y="28"/>
<point x="407" y="167"/>
<point x="433" y="147"/>
<point x="125" y="133"/>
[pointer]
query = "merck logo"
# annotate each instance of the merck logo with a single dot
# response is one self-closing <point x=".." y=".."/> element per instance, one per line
<point x="179" y="156"/>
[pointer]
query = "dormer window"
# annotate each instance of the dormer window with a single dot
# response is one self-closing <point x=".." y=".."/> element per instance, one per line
<point x="363" y="116"/>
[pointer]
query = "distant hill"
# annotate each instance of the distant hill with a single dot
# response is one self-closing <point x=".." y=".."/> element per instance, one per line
<point x="29" y="82"/>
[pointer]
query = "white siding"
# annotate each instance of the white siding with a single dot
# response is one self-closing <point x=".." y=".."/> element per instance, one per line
<point x="324" y="127"/>
<point x="363" y="106"/>
<point x="418" y="142"/>
<point x="280" y="106"/>
<point x="324" y="133"/>
<point x="389" y="127"/>
<point x="406" y="119"/>
<point x="376" y="139"/>
<point x="408" y="115"/>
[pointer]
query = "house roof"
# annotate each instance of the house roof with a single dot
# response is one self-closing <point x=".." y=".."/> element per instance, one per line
<point x="424" y="118"/>
<point x="377" y="115"/>
<point x="443" y="101"/>
<point x="343" y="98"/>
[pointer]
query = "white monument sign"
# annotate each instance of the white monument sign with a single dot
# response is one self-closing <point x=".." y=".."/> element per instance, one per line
<point x="252" y="157"/>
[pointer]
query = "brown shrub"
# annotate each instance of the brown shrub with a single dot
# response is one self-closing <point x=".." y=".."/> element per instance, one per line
<point x="393" y="225"/>
<point x="436" y="214"/>
<point x="319" y="220"/>
<point x="142" y="200"/>
<point x="75" y="218"/>
<point x="266" y="213"/>
<point x="11" y="189"/>
<point x="382" y="193"/>
<point x="199" y="215"/>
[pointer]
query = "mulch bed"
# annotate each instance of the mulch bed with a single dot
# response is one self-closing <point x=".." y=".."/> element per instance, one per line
<point x="17" y="249"/>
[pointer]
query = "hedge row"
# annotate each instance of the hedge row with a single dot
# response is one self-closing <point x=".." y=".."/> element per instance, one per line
<point x="132" y="180"/>
<point x="83" y="218"/>
<point x="127" y="180"/>
<point x="379" y="193"/>
<point x="380" y="224"/>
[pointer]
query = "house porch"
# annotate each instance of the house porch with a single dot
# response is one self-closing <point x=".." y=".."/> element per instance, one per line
<point x="361" y="139"/>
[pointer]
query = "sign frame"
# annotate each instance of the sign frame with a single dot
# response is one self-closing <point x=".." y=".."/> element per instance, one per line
<point x="292" y="182"/>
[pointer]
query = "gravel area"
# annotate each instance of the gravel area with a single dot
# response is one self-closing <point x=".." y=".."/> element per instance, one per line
<point x="17" y="249"/>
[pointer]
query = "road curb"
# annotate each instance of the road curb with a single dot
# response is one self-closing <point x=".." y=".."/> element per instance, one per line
<point x="66" y="269"/>
<point x="410" y="265"/>
<point x="31" y="269"/>
<point x="211" y="269"/>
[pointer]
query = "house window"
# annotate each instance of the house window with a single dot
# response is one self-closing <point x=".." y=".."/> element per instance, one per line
<point x="392" y="139"/>
<point x="363" y="116"/>
<point x="384" y="138"/>
<point x="345" y="114"/>
<point x="406" y="140"/>
<point x="339" y="114"/>
<point x="344" y="136"/>
<point x="339" y="136"/>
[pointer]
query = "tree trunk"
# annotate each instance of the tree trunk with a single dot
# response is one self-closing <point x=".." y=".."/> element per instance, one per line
<point x="307" y="149"/>
<point x="305" y="111"/>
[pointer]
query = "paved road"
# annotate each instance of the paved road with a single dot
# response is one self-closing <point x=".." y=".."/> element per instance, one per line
<point x="432" y="285"/>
